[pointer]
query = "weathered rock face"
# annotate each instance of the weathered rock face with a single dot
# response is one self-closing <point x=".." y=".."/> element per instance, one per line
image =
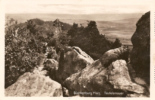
<point x="34" y="84"/>
<point x="99" y="81"/>
<point x="72" y="60"/>
<point x="140" y="55"/>
<point x="103" y="76"/>
<point x="79" y="75"/>
<point x="88" y="80"/>
<point x="120" y="79"/>
<point x="112" y="55"/>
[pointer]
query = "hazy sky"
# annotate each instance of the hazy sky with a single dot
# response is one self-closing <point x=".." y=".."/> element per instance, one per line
<point x="76" y="6"/>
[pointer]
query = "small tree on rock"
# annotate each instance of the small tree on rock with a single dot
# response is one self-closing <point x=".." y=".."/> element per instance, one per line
<point x="116" y="44"/>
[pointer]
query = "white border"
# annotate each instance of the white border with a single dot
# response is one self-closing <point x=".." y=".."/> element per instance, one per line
<point x="81" y="2"/>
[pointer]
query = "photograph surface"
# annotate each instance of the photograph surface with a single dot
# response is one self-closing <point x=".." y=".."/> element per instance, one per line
<point x="77" y="49"/>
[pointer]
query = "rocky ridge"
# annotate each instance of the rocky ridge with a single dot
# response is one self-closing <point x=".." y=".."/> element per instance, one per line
<point x="80" y="75"/>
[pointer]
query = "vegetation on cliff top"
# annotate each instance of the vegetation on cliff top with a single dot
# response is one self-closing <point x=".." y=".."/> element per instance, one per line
<point x="26" y="42"/>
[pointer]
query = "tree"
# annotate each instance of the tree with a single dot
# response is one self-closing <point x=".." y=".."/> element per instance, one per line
<point x="91" y="29"/>
<point x="72" y="32"/>
<point x="116" y="44"/>
<point x="89" y="39"/>
<point x="31" y="26"/>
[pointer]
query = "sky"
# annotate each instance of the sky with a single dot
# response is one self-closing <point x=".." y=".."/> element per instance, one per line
<point x="76" y="6"/>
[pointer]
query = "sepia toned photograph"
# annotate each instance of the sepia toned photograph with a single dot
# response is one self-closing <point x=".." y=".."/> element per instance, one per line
<point x="76" y="49"/>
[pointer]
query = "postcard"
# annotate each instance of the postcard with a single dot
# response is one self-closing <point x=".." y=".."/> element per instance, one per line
<point x="77" y="48"/>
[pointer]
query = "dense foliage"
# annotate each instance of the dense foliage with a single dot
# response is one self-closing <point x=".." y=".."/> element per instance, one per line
<point x="89" y="39"/>
<point x="25" y="44"/>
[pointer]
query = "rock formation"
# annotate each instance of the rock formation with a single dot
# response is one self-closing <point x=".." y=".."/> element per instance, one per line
<point x="100" y="81"/>
<point x="120" y="79"/>
<point x="72" y="60"/>
<point x="112" y="55"/>
<point x="79" y="75"/>
<point x="140" y="55"/>
<point x="34" y="84"/>
<point x="103" y="76"/>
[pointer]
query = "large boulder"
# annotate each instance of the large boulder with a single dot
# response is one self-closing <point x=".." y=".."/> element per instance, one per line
<point x="34" y="84"/>
<point x="140" y="55"/>
<point x="114" y="54"/>
<point x="119" y="77"/>
<point x="104" y="77"/>
<point x="72" y="60"/>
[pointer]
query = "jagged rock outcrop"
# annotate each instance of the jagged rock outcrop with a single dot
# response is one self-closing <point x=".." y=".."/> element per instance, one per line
<point x="79" y="75"/>
<point x="34" y="84"/>
<point x="119" y="77"/>
<point x="140" y="55"/>
<point x="72" y="60"/>
<point x="104" y="77"/>
<point x="113" y="54"/>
